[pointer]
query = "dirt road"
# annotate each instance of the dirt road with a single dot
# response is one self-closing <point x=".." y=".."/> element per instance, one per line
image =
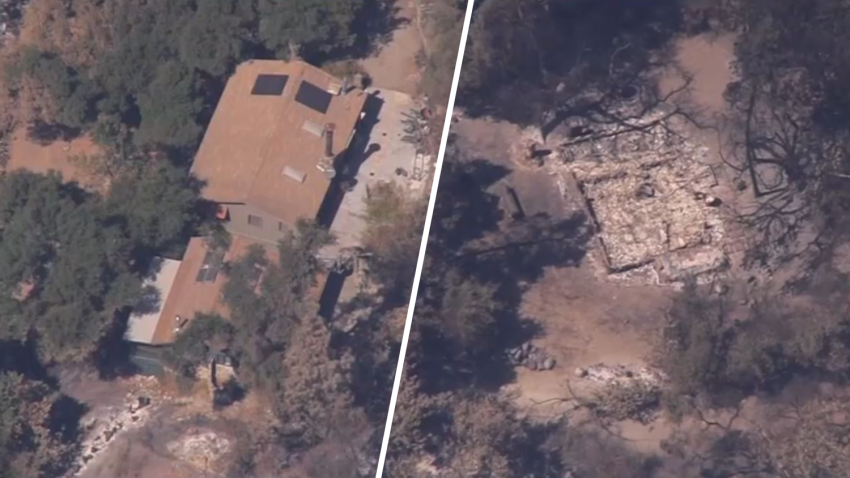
<point x="394" y="66"/>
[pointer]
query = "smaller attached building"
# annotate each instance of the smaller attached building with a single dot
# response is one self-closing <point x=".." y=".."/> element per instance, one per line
<point x="143" y="323"/>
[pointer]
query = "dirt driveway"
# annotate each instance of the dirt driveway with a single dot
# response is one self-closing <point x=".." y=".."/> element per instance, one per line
<point x="393" y="66"/>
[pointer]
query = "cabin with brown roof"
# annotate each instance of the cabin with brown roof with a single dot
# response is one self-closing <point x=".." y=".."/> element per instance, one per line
<point x="268" y="159"/>
<point x="271" y="150"/>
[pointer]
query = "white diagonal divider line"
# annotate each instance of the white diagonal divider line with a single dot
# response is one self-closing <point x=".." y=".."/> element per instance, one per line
<point x="434" y="186"/>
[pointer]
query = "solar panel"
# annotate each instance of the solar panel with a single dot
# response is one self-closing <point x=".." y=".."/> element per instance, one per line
<point x="202" y="275"/>
<point x="313" y="97"/>
<point x="269" y="85"/>
<point x="210" y="267"/>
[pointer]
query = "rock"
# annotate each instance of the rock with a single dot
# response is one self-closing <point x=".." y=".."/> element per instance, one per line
<point x="526" y="347"/>
<point x="712" y="201"/>
<point x="644" y="191"/>
<point x="532" y="365"/>
<point x="548" y="364"/>
<point x="580" y="372"/>
<point x="720" y="289"/>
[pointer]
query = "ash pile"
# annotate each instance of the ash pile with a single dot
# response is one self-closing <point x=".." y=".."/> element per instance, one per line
<point x="530" y="356"/>
<point x="650" y="191"/>
<point x="619" y="375"/>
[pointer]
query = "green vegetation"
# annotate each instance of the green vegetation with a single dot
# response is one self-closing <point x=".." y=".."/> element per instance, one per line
<point x="268" y="300"/>
<point x="70" y="98"/>
<point x="285" y="352"/>
<point x="307" y="26"/>
<point x="30" y="444"/>
<point x="709" y="353"/>
<point x="525" y="56"/>
<point x="142" y="77"/>
<point x="156" y="68"/>
<point x="65" y="270"/>
<point x="205" y="336"/>
<point x="443" y="33"/>
<point x="71" y="265"/>
<point x="393" y="236"/>
<point x="781" y="356"/>
<point x="466" y="317"/>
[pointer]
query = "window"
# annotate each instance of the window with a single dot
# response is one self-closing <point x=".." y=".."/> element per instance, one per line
<point x="269" y="85"/>
<point x="255" y="221"/>
<point x="313" y="97"/>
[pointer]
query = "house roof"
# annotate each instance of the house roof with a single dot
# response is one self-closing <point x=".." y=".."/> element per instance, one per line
<point x="258" y="141"/>
<point x="142" y="324"/>
<point x="189" y="295"/>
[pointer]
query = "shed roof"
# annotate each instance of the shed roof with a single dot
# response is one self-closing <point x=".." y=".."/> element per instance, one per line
<point x="254" y="138"/>
<point x="194" y="292"/>
<point x="142" y="324"/>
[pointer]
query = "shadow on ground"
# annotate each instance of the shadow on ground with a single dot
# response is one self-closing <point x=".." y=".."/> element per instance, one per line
<point x="472" y="236"/>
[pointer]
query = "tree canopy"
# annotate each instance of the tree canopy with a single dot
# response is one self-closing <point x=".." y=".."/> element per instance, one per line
<point x="158" y="66"/>
<point x="65" y="272"/>
<point x="307" y="26"/>
<point x="267" y="300"/>
<point x="31" y="441"/>
<point x="67" y="257"/>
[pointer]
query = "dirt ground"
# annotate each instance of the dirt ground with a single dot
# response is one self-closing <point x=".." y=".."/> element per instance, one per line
<point x="60" y="156"/>
<point x="586" y="319"/>
<point x="393" y="66"/>
<point x="180" y="436"/>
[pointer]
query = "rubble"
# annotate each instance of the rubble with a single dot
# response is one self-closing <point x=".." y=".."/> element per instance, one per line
<point x="619" y="375"/>
<point x="527" y="152"/>
<point x="200" y="447"/>
<point x="100" y="431"/>
<point x="527" y="355"/>
<point x="649" y="191"/>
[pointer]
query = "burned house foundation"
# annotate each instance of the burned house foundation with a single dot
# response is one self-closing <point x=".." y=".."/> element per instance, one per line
<point x="650" y="196"/>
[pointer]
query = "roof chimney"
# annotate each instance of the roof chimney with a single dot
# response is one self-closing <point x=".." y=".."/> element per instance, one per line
<point x="326" y="162"/>
<point x="329" y="140"/>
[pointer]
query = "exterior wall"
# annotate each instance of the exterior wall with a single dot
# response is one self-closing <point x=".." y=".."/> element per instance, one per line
<point x="271" y="231"/>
